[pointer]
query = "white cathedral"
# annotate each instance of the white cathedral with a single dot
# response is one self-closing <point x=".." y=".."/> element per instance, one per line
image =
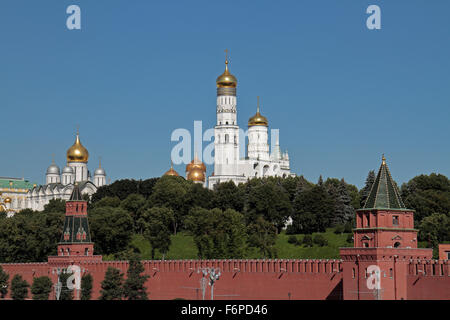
<point x="259" y="162"/>
<point x="60" y="186"/>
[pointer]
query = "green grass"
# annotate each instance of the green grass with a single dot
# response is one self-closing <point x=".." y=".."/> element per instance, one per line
<point x="183" y="247"/>
<point x="286" y="250"/>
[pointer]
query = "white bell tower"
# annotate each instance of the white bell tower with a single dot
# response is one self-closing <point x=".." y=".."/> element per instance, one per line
<point x="226" y="142"/>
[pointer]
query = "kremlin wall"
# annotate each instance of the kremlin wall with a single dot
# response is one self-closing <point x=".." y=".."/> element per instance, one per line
<point x="384" y="264"/>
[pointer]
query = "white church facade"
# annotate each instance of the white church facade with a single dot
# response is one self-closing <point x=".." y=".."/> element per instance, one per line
<point x="59" y="185"/>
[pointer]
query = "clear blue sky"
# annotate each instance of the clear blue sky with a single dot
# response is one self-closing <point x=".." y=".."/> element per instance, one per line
<point x="340" y="94"/>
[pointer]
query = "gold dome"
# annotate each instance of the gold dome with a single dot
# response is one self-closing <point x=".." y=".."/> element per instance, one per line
<point x="2" y="208"/>
<point x="77" y="153"/>
<point x="8" y="200"/>
<point x="258" y="119"/>
<point x="226" y="79"/>
<point x="195" y="163"/>
<point x="196" y="174"/>
<point x="171" y="172"/>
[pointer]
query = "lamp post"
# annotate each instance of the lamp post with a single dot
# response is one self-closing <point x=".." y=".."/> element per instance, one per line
<point x="213" y="275"/>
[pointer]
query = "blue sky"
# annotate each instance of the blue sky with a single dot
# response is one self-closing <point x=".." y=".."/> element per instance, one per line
<point x="340" y="94"/>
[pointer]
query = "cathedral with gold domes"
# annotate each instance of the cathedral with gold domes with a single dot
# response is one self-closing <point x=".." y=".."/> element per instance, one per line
<point x="228" y="165"/>
<point x="59" y="185"/>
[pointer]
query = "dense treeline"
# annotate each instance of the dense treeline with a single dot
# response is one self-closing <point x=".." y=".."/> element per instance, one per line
<point x="225" y="222"/>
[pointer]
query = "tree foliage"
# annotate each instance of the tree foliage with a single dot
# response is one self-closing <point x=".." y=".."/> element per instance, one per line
<point x="217" y="234"/>
<point x="19" y="288"/>
<point x="156" y="222"/>
<point x="86" y="286"/>
<point x="262" y="235"/>
<point x="41" y="288"/>
<point x="112" y="285"/>
<point x="111" y="229"/>
<point x="4" y="277"/>
<point x="133" y="288"/>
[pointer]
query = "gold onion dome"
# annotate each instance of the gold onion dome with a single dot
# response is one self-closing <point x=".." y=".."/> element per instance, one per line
<point x="226" y="79"/>
<point x="196" y="174"/>
<point x="2" y="209"/>
<point x="195" y="163"/>
<point x="8" y="200"/>
<point x="77" y="152"/>
<point x="171" y="172"/>
<point x="258" y="119"/>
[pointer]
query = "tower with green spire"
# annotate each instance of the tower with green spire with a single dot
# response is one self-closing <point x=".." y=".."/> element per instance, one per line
<point x="385" y="241"/>
<point x="75" y="244"/>
<point x="384" y="221"/>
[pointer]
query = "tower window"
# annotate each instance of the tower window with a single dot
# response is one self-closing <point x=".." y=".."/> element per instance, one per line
<point x="395" y="220"/>
<point x="226" y="138"/>
<point x="226" y="122"/>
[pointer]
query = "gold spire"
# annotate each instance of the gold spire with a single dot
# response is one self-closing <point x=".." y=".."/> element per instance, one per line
<point x="226" y="79"/>
<point x="383" y="160"/>
<point x="258" y="119"/>
<point x="77" y="152"/>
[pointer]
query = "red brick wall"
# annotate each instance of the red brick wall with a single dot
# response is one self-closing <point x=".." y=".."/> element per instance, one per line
<point x="240" y="279"/>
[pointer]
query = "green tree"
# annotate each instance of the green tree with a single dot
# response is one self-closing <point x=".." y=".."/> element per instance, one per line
<point x="269" y="200"/>
<point x="4" y="277"/>
<point x="217" y="234"/>
<point x="343" y="210"/>
<point x="41" y="288"/>
<point x="198" y="196"/>
<point x="170" y="192"/>
<point x="307" y="241"/>
<point x="313" y="210"/>
<point x="19" y="288"/>
<point x="123" y="188"/>
<point x="157" y="222"/>
<point x="134" y="204"/>
<point x="364" y="193"/>
<point x="112" y="202"/>
<point x="110" y="227"/>
<point x="228" y="196"/>
<point x="427" y="194"/>
<point x="262" y="235"/>
<point x="112" y="285"/>
<point x="320" y="240"/>
<point x="40" y="232"/>
<point x="66" y="292"/>
<point x="86" y="286"/>
<point x="134" y="288"/>
<point x="435" y="229"/>
<point x="55" y="205"/>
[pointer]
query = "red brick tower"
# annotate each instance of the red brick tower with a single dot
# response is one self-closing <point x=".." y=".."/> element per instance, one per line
<point x="75" y="244"/>
<point x="384" y="241"/>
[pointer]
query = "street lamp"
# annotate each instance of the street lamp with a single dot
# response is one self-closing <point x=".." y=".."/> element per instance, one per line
<point x="213" y="275"/>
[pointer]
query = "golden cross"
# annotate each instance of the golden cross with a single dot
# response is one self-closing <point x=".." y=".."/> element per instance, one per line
<point x="257" y="97"/>
<point x="226" y="54"/>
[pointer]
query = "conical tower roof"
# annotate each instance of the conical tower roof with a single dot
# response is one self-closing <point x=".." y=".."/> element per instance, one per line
<point x="384" y="193"/>
<point x="76" y="194"/>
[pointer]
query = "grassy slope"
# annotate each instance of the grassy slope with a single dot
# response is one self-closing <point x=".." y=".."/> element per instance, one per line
<point x="183" y="247"/>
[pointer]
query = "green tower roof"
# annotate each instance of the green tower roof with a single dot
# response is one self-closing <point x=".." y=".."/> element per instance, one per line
<point x="384" y="193"/>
